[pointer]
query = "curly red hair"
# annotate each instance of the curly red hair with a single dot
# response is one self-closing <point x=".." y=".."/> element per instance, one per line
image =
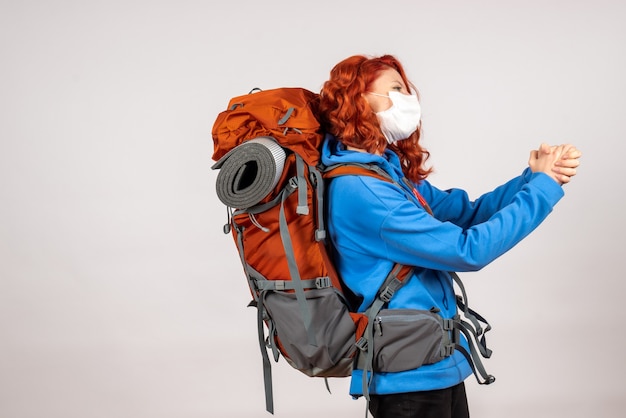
<point x="346" y="114"/>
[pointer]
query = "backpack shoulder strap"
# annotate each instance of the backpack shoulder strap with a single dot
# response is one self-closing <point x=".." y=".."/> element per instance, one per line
<point x="355" y="169"/>
<point x="372" y="170"/>
<point x="473" y="331"/>
<point x="396" y="278"/>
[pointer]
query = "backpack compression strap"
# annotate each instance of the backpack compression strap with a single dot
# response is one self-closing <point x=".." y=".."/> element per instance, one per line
<point x="256" y="281"/>
<point x="474" y="334"/>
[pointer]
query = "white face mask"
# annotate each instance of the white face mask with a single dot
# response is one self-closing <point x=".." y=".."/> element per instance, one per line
<point x="402" y="118"/>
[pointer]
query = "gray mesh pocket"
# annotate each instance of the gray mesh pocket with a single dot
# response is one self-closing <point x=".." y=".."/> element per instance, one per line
<point x="405" y="339"/>
<point x="334" y="331"/>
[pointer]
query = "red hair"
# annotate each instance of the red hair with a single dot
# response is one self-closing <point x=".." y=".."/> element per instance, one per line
<point x="346" y="114"/>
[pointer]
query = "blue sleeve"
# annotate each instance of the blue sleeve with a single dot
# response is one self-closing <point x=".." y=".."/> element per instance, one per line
<point x="376" y="220"/>
<point x="454" y="205"/>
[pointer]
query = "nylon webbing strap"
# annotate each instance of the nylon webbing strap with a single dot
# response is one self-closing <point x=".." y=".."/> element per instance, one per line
<point x="295" y="273"/>
<point x="473" y="357"/>
<point x="247" y="269"/>
<point x="286" y="117"/>
<point x="473" y="316"/>
<point x="476" y="318"/>
<point x="389" y="287"/>
<point x="267" y="366"/>
<point x="474" y="334"/>
<point x="418" y="196"/>
<point x="320" y="232"/>
<point x="298" y="285"/>
<point x="280" y="285"/>
<point x="392" y="282"/>
<point x="251" y="275"/>
<point x="372" y="170"/>
<point x="289" y="188"/>
<point x="303" y="206"/>
<point x="258" y="282"/>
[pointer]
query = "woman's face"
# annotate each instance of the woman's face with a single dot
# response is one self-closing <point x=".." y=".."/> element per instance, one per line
<point x="388" y="80"/>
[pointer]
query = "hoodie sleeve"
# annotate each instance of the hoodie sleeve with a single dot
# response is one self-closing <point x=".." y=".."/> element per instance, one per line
<point x="388" y="225"/>
<point x="454" y="205"/>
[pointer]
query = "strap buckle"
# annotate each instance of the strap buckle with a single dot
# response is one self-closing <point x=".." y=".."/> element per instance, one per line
<point x="448" y="324"/>
<point x="362" y="344"/>
<point x="387" y="294"/>
<point x="323" y="282"/>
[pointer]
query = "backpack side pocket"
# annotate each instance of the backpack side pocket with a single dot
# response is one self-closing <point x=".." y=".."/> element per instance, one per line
<point x="334" y="332"/>
<point x="405" y="339"/>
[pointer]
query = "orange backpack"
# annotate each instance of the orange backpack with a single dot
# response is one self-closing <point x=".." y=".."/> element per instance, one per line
<point x="266" y="145"/>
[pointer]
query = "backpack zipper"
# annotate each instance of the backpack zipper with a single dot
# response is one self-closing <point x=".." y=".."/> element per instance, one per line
<point x="378" y="322"/>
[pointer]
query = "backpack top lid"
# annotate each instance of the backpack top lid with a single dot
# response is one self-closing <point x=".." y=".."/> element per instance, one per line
<point x="287" y="114"/>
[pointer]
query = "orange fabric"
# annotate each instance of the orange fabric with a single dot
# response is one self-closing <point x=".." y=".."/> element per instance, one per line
<point x="271" y="262"/>
<point x="360" y="320"/>
<point x="257" y="114"/>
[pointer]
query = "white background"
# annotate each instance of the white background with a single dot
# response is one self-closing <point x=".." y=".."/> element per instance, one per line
<point x="119" y="294"/>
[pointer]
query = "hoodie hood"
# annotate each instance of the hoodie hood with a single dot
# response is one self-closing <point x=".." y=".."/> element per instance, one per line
<point x="335" y="152"/>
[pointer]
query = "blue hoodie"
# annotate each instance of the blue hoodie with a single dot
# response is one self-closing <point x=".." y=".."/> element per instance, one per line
<point x="373" y="225"/>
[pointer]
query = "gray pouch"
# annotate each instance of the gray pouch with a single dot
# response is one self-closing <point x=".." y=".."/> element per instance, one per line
<point x="405" y="339"/>
<point x="333" y="354"/>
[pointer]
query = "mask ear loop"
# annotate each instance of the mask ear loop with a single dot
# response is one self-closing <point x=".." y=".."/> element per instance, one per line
<point x="378" y="94"/>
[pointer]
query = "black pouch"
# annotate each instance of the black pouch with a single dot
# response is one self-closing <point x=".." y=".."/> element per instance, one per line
<point x="405" y="339"/>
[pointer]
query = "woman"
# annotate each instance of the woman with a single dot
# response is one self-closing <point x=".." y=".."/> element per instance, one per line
<point x="373" y="115"/>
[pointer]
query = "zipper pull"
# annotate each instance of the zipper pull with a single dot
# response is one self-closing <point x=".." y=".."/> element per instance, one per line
<point x="378" y="325"/>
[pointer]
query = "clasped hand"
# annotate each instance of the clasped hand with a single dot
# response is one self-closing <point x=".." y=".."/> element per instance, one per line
<point x="559" y="162"/>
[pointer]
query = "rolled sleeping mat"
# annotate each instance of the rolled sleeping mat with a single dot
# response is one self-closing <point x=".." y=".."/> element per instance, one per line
<point x="249" y="172"/>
